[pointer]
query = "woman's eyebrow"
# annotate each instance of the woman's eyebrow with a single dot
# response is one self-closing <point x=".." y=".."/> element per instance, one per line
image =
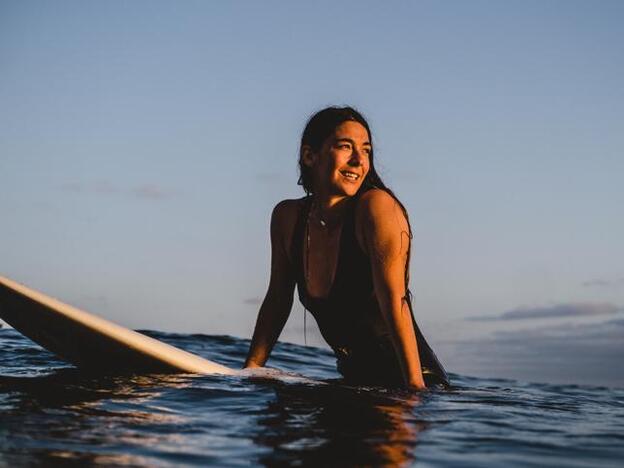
<point x="367" y="143"/>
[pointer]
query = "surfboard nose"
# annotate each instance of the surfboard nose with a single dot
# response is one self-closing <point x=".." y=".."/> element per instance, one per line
<point x="92" y="342"/>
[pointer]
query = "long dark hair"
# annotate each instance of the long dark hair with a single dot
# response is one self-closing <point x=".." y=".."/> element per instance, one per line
<point x="320" y="127"/>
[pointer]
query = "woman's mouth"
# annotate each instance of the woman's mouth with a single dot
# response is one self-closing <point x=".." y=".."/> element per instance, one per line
<point x="350" y="175"/>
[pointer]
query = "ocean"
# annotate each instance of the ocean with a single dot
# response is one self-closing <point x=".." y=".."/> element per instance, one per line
<point x="54" y="414"/>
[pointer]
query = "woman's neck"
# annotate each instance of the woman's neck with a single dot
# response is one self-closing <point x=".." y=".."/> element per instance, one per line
<point x="329" y="209"/>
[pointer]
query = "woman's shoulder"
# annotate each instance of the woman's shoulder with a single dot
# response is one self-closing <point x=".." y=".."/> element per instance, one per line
<point x="283" y="221"/>
<point x="376" y="202"/>
<point x="288" y="208"/>
<point x="379" y="215"/>
<point x="285" y="213"/>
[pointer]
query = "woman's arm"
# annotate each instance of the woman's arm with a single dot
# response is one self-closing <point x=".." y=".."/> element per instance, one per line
<point x="277" y="303"/>
<point x="385" y="235"/>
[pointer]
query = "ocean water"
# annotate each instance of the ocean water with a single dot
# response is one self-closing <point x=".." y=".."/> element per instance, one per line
<point x="54" y="414"/>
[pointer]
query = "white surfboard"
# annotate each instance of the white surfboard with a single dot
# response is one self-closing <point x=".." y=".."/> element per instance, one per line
<point x="92" y="342"/>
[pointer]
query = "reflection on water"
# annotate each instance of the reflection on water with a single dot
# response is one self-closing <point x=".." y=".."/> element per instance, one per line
<point x="58" y="416"/>
<point x="341" y="425"/>
<point x="66" y="416"/>
<point x="75" y="416"/>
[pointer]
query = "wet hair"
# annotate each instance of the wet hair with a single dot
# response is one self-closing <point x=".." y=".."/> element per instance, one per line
<point x="320" y="127"/>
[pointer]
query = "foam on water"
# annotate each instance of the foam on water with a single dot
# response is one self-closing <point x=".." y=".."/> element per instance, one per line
<point x="53" y="413"/>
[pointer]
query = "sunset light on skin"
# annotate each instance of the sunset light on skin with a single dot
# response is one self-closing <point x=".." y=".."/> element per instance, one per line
<point x="143" y="146"/>
<point x="345" y="164"/>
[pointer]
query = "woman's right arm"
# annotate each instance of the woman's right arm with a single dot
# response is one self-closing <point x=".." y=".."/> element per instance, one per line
<point x="277" y="303"/>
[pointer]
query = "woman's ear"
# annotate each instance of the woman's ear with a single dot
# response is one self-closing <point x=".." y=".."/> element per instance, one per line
<point x="308" y="156"/>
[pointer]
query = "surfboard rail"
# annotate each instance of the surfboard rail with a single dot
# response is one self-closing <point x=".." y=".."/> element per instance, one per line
<point x="54" y="324"/>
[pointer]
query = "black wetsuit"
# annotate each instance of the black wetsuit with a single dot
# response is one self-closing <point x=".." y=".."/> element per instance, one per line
<point x="349" y="317"/>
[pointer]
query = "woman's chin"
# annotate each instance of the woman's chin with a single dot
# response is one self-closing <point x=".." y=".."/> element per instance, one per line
<point x="346" y="193"/>
<point x="348" y="188"/>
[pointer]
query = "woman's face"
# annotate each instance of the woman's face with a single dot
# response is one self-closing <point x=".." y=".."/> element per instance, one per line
<point x="340" y="166"/>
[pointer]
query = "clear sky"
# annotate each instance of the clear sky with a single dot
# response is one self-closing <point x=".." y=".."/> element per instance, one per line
<point x="143" y="145"/>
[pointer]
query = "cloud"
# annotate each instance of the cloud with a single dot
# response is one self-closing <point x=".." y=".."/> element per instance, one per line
<point x="561" y="310"/>
<point x="75" y="187"/>
<point x="603" y="283"/>
<point x="104" y="187"/>
<point x="100" y="186"/>
<point x="253" y="301"/>
<point x="151" y="192"/>
<point x="574" y="309"/>
<point x="589" y="354"/>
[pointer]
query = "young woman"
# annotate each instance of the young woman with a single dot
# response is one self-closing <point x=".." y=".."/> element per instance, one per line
<point x="346" y="246"/>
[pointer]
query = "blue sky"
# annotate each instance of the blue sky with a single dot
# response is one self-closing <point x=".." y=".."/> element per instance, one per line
<point x="144" y="144"/>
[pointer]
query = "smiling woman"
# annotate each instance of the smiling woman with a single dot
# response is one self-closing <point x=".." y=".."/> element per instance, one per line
<point x="346" y="246"/>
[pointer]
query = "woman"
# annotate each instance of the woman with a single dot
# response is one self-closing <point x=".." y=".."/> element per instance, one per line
<point x="346" y="246"/>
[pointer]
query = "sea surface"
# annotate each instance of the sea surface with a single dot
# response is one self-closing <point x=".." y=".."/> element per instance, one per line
<point x="54" y="414"/>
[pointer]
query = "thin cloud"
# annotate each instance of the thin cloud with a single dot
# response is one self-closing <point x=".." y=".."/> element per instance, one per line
<point x="589" y="354"/>
<point x="100" y="186"/>
<point x="151" y="192"/>
<point x="603" y="283"/>
<point x="103" y="187"/>
<point x="575" y="309"/>
<point x="253" y="301"/>
<point x="75" y="187"/>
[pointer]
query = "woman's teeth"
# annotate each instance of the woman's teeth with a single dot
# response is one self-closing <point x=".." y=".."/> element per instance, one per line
<point x="350" y="175"/>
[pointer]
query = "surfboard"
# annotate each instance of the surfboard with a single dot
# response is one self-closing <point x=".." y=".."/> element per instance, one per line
<point x="92" y="342"/>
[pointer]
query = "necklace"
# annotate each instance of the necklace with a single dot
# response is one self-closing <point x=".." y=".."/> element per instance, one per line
<point x="317" y="212"/>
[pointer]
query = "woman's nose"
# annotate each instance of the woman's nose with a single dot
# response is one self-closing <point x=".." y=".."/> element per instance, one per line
<point x="356" y="157"/>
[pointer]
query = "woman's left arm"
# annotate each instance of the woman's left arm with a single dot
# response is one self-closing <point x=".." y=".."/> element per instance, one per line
<point x="384" y="231"/>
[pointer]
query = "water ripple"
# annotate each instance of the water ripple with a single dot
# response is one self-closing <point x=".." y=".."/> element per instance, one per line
<point x="52" y="413"/>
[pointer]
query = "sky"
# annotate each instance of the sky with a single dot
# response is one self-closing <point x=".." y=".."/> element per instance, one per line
<point x="143" y="146"/>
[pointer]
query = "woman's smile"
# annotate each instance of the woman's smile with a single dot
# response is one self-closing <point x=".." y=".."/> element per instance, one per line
<point x="352" y="176"/>
<point x="341" y="165"/>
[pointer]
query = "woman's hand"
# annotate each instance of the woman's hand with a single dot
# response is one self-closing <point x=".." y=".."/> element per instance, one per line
<point x="384" y="232"/>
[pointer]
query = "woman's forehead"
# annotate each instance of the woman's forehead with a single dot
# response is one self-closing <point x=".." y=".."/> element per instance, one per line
<point x="352" y="130"/>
